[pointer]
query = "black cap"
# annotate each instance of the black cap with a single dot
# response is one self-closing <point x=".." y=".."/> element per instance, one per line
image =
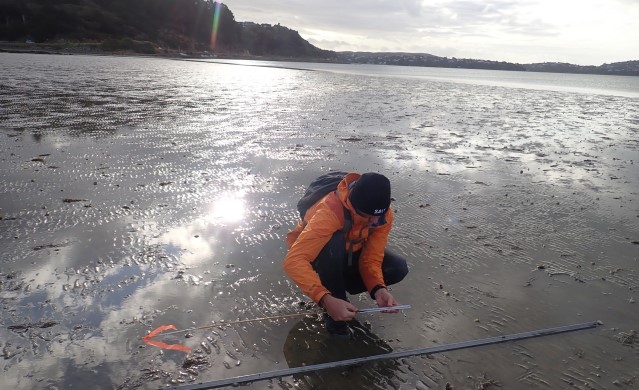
<point x="371" y="194"/>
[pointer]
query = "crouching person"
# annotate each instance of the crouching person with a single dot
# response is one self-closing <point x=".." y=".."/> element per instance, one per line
<point x="339" y="246"/>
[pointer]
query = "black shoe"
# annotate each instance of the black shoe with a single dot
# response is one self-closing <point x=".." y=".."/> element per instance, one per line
<point x="337" y="329"/>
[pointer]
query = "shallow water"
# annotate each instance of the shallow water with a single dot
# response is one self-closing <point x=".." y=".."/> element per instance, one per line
<point x="138" y="192"/>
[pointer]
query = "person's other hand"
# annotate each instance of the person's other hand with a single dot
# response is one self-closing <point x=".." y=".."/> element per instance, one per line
<point x="338" y="309"/>
<point x="384" y="298"/>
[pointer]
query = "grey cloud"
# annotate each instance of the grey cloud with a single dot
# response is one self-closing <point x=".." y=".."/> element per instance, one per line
<point x="504" y="14"/>
<point x="375" y="17"/>
<point x="332" y="14"/>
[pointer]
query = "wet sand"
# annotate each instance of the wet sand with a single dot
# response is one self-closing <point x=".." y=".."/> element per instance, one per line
<point x="144" y="192"/>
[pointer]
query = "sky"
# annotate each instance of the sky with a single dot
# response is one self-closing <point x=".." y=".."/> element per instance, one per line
<point x="582" y="32"/>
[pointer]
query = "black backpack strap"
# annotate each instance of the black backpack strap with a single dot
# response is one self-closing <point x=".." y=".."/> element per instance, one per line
<point x="348" y="224"/>
<point x="348" y="221"/>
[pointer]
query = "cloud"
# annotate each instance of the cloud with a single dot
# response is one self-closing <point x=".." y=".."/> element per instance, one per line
<point x="570" y="30"/>
<point x="374" y="17"/>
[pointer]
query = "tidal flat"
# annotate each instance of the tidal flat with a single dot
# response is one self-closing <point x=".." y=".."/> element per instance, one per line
<point x="140" y="192"/>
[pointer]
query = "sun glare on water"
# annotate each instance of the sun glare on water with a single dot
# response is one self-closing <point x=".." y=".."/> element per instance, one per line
<point x="228" y="208"/>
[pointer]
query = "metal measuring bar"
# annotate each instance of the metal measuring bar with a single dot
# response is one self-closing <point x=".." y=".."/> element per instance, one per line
<point x="243" y="379"/>
<point x="375" y="309"/>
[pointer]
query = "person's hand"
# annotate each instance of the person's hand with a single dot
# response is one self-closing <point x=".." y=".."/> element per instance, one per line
<point x="338" y="309"/>
<point x="384" y="298"/>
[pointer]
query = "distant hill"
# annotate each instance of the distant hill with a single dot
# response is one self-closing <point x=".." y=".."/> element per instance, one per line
<point x="628" y="68"/>
<point x="147" y="26"/>
<point x="428" y="60"/>
<point x="184" y="27"/>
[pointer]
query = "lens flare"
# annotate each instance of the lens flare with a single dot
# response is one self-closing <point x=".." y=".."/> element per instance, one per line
<point x="216" y="21"/>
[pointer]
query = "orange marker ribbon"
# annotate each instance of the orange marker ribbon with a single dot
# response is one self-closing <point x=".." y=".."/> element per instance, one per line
<point x="156" y="331"/>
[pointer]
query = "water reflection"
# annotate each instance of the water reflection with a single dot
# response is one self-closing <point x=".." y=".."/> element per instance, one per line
<point x="308" y="344"/>
<point x="205" y="239"/>
<point x="193" y="243"/>
<point x="228" y="208"/>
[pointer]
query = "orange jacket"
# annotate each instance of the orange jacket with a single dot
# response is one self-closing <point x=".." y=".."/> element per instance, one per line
<point x="321" y="221"/>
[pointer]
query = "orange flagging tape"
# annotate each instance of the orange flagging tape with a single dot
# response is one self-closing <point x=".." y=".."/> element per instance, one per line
<point x="159" y="329"/>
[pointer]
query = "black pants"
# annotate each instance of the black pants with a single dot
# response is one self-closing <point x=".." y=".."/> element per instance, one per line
<point x="338" y="277"/>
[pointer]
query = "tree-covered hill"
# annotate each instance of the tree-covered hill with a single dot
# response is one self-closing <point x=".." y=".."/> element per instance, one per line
<point x="626" y="68"/>
<point x="149" y="26"/>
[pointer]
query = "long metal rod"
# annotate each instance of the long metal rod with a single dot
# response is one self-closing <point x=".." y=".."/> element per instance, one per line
<point x="238" y="380"/>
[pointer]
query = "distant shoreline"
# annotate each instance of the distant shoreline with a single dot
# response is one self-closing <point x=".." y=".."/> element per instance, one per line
<point x="95" y="49"/>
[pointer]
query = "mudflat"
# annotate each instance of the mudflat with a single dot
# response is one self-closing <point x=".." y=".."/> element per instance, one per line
<point x="140" y="192"/>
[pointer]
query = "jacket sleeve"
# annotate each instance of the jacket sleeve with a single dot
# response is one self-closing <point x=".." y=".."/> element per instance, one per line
<point x="297" y="263"/>
<point x="370" y="261"/>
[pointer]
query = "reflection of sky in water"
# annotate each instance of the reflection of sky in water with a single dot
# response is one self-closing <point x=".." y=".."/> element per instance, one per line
<point x="187" y="176"/>
<point x="197" y="243"/>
